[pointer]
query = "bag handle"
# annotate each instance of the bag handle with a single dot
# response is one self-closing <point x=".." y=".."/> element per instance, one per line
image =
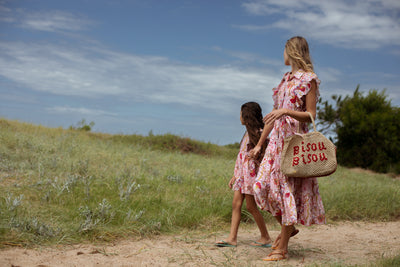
<point x="312" y="120"/>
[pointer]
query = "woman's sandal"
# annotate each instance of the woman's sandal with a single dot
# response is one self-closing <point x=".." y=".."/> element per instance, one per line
<point x="275" y="246"/>
<point x="277" y="255"/>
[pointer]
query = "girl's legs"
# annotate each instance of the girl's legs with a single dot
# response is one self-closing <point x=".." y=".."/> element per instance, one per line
<point x="235" y="221"/>
<point x="252" y="208"/>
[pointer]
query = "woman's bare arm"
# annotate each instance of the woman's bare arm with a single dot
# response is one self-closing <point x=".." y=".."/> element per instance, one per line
<point x="311" y="106"/>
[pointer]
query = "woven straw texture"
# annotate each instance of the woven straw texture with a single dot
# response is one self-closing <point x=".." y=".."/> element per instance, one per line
<point x="308" y="155"/>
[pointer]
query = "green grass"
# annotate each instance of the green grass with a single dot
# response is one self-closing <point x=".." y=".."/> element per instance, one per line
<point x="382" y="262"/>
<point x="67" y="186"/>
<point x="355" y="195"/>
<point x="388" y="262"/>
<point x="170" y="142"/>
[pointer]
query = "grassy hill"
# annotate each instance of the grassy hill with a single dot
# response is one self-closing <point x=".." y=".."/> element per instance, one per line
<point x="65" y="186"/>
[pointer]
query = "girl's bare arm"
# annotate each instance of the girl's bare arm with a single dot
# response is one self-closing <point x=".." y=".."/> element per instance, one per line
<point x="263" y="138"/>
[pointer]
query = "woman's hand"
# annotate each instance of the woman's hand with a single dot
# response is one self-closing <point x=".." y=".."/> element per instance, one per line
<point x="274" y="115"/>
<point x="232" y="182"/>
<point x="255" y="151"/>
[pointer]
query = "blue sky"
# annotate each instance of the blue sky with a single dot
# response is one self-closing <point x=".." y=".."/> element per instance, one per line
<point x="183" y="67"/>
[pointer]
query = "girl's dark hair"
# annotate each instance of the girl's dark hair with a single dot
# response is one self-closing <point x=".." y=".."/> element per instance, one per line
<point x="253" y="120"/>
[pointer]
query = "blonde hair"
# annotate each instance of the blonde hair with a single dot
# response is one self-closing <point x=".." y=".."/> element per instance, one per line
<point x="299" y="53"/>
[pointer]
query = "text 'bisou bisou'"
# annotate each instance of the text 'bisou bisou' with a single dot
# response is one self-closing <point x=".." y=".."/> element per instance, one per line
<point x="311" y="152"/>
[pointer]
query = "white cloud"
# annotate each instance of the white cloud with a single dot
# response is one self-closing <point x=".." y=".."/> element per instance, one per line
<point x="81" y="111"/>
<point x="355" y="24"/>
<point x="94" y="72"/>
<point x="56" y="70"/>
<point x="48" y="21"/>
<point x="54" y="21"/>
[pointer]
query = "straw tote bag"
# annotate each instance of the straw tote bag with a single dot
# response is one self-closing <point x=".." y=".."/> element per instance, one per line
<point x="308" y="155"/>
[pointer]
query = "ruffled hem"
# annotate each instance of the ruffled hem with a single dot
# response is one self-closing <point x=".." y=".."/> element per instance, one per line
<point x="301" y="206"/>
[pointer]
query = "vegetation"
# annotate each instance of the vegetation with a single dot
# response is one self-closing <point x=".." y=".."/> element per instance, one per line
<point x="83" y="126"/>
<point x="170" y="142"/>
<point x="382" y="262"/>
<point x="367" y="130"/>
<point x="388" y="262"/>
<point x="65" y="186"/>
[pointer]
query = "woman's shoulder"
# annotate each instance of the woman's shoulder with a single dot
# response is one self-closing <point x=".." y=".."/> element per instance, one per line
<point x="301" y="74"/>
<point x="307" y="76"/>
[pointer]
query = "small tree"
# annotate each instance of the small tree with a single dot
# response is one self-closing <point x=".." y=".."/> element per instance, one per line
<point x="83" y="126"/>
<point x="367" y="130"/>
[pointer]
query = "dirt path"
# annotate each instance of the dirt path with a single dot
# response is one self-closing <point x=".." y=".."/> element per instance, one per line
<point x="345" y="243"/>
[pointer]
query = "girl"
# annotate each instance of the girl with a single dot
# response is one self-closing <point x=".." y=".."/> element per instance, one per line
<point x="290" y="200"/>
<point x="244" y="174"/>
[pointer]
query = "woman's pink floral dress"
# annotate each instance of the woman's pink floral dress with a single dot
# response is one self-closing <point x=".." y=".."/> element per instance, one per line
<point x="297" y="200"/>
<point x="245" y="169"/>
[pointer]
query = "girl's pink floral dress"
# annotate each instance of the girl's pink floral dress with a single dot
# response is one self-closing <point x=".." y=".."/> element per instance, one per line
<point x="297" y="200"/>
<point x="245" y="169"/>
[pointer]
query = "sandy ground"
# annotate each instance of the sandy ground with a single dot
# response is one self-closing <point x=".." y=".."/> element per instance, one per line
<point x="343" y="243"/>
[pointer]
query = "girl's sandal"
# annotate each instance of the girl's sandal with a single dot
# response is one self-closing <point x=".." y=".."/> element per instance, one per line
<point x="277" y="255"/>
<point x="276" y="243"/>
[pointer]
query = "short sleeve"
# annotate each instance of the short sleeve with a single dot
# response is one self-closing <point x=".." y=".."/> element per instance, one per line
<point x="303" y="88"/>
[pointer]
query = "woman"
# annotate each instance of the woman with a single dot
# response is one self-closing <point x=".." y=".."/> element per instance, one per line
<point x="289" y="200"/>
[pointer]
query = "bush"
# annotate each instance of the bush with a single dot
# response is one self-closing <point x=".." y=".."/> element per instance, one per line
<point x="83" y="126"/>
<point x="367" y="131"/>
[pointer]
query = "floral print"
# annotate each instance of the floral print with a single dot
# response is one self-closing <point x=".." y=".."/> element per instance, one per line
<point x="297" y="200"/>
<point x="245" y="169"/>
